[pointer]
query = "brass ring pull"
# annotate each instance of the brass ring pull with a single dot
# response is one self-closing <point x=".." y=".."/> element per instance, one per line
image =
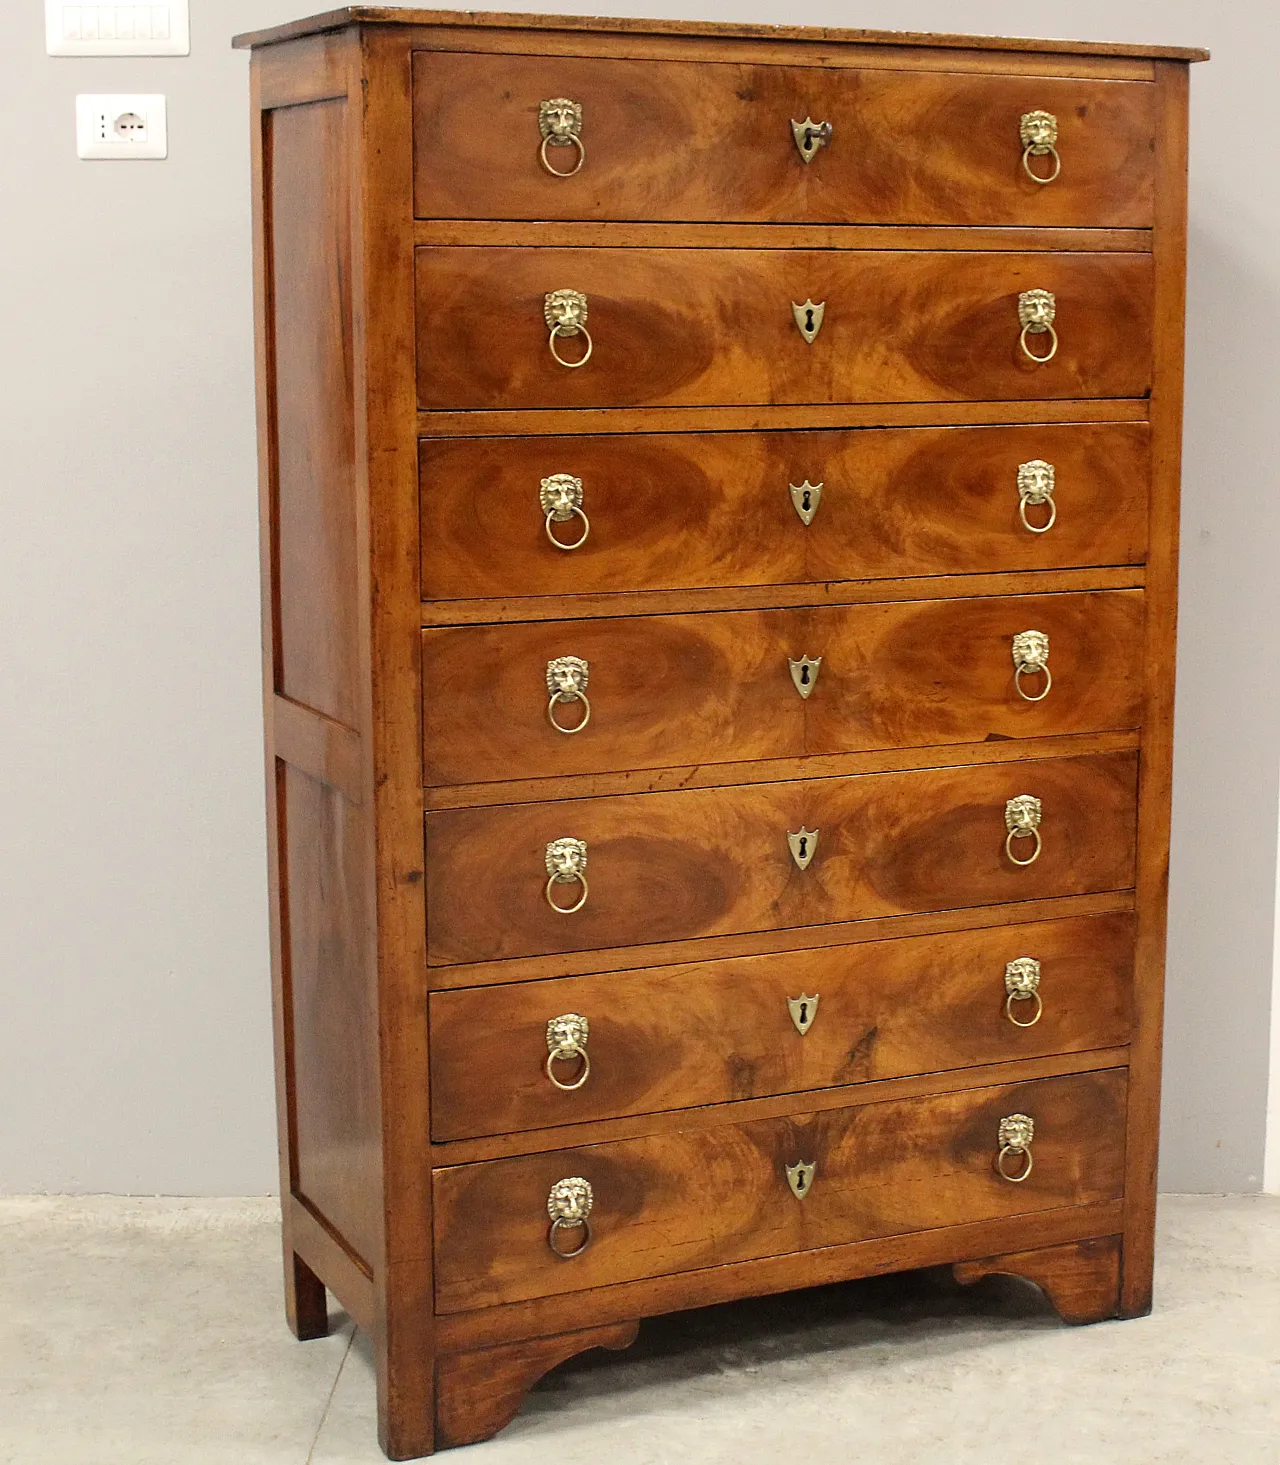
<point x="586" y="715"/>
<point x="1022" y="984"/>
<point x="569" y="1206"/>
<point x="567" y="1037"/>
<point x="558" y="330"/>
<point x="1022" y="820"/>
<point x="1021" y="672"/>
<point x="560" y="122"/>
<point x="1036" y="482"/>
<point x="1036" y="311"/>
<point x="1022" y="514"/>
<point x="1019" y="997"/>
<point x="1030" y="658"/>
<point x="567" y="863"/>
<point x="1030" y="152"/>
<point x="567" y="682"/>
<point x="586" y="529"/>
<point x="565" y="312"/>
<point x="1039" y="134"/>
<point x="561" y="498"/>
<point x="1014" y="1140"/>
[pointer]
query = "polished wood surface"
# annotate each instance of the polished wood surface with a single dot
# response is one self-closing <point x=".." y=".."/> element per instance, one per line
<point x="716" y="861"/>
<point x="708" y="689"/>
<point x="1081" y="1280"/>
<point x="696" y="140"/>
<point x="686" y="511"/>
<point x="718" y="328"/>
<point x="683" y="1200"/>
<point x="674" y="1037"/>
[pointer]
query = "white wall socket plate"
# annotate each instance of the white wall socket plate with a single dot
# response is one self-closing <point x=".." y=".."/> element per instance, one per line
<point x="121" y="126"/>
<point x="117" y="30"/>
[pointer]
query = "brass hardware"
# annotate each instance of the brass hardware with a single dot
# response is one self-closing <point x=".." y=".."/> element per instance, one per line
<point x="804" y="673"/>
<point x="1036" y="310"/>
<point x="800" y="1179"/>
<point x="1039" y="133"/>
<point x="565" y="312"/>
<point x="810" y="136"/>
<point x="561" y="498"/>
<point x="809" y="318"/>
<point x="803" y="845"/>
<point x="1022" y="984"/>
<point x="803" y="1010"/>
<point x="567" y="682"/>
<point x="567" y="1039"/>
<point x="1030" y="655"/>
<point x="560" y="123"/>
<point x="569" y="1205"/>
<point x="1035" y="486"/>
<point x="1022" y="820"/>
<point x="567" y="862"/>
<point x="805" y="499"/>
<point x="1014" y="1138"/>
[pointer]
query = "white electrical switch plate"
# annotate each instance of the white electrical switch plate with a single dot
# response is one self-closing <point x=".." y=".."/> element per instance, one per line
<point x="117" y="30"/>
<point x="121" y="126"/>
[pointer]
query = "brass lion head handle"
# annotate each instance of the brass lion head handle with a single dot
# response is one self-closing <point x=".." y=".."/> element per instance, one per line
<point x="567" y="865"/>
<point x="560" y="123"/>
<point x="1039" y="134"/>
<point x="561" y="499"/>
<point x="565" y="312"/>
<point x="1014" y="1144"/>
<point x="1036" y="480"/>
<point x="567" y="682"/>
<point x="1036" y="310"/>
<point x="1031" y="658"/>
<point x="1022" y="821"/>
<point x="1022" y="984"/>
<point x="567" y="1037"/>
<point x="569" y="1206"/>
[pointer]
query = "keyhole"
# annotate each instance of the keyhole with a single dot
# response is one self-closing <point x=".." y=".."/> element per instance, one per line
<point x="804" y="1012"/>
<point x="804" y="848"/>
<point x="800" y="1183"/>
<point x="804" y="675"/>
<point x="808" y="320"/>
<point x="806" y="492"/>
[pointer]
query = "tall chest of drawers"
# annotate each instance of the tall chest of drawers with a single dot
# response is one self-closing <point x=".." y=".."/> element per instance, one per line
<point x="719" y="520"/>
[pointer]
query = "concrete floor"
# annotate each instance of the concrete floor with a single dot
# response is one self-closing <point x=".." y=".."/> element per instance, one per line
<point x="135" y="1332"/>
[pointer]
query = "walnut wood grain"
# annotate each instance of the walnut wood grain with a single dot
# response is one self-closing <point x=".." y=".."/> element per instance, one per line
<point x="675" y="866"/>
<point x="675" y="1037"/>
<point x="678" y="1201"/>
<point x="1081" y="1280"/>
<point x="719" y="330"/>
<point x="701" y="510"/>
<point x="687" y="141"/>
<point x="710" y="689"/>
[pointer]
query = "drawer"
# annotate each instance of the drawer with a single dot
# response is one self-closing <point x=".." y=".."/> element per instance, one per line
<point x="714" y="141"/>
<point x="712" y="862"/>
<point x="750" y="1027"/>
<point x="708" y="327"/>
<point x="661" y="691"/>
<point x="708" y="1196"/>
<point x="690" y="510"/>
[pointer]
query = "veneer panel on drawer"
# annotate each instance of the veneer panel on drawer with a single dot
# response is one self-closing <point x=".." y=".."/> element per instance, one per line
<point x="685" y="510"/>
<point x="710" y="862"/>
<point x="715" y="327"/>
<point x="710" y="1032"/>
<point x="709" y="1196"/>
<point x="713" y="141"/>
<point x="714" y="688"/>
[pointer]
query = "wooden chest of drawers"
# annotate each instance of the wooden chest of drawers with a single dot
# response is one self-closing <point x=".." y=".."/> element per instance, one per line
<point x="719" y="509"/>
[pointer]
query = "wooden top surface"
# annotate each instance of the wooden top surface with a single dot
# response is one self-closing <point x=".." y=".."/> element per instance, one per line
<point x="391" y="15"/>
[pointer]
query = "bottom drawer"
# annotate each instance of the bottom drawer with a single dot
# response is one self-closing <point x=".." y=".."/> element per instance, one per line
<point x="705" y="1197"/>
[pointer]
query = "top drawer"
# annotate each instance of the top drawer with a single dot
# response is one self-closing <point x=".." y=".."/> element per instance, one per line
<point x="686" y="141"/>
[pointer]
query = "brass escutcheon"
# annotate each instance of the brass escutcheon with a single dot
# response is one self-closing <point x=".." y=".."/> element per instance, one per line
<point x="566" y="1040"/>
<point x="1014" y="1138"/>
<point x="809" y="318"/>
<point x="804" y="673"/>
<point x="1039" y="133"/>
<point x="1036" y="310"/>
<point x="800" y="1178"/>
<point x="567" y="678"/>
<point x="805" y="498"/>
<point x="1036" y="480"/>
<point x="803" y="1010"/>
<point x="569" y="1205"/>
<point x="1022" y="984"/>
<point x="810" y="136"/>
<point x="565" y="312"/>
<point x="567" y="862"/>
<point x="561" y="498"/>
<point x="1031" y="656"/>
<point x="1022" y="820"/>
<point x="803" y="845"/>
<point x="560" y="123"/>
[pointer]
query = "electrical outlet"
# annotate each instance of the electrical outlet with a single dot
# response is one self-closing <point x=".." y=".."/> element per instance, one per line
<point x="121" y="126"/>
<point x="117" y="30"/>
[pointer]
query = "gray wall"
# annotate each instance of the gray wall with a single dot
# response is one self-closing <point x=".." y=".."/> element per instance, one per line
<point x="134" y="1017"/>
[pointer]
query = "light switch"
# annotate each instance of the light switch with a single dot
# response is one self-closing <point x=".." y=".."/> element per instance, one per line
<point x="121" y="126"/>
<point x="117" y="30"/>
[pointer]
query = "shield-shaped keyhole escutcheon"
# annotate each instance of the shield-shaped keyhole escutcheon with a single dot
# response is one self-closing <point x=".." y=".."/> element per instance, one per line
<point x="805" y="498"/>
<point x="803" y="845"/>
<point x="809" y="318"/>
<point x="804" y="673"/>
<point x="803" y="1010"/>
<point x="800" y="1178"/>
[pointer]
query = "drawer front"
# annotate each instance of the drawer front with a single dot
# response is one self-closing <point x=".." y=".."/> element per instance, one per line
<point x="706" y="1197"/>
<point x="714" y="141"/>
<point x="677" y="1037"/>
<point x="712" y="862"/>
<point x="708" y="327"/>
<point x="739" y="685"/>
<point x="685" y="511"/>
